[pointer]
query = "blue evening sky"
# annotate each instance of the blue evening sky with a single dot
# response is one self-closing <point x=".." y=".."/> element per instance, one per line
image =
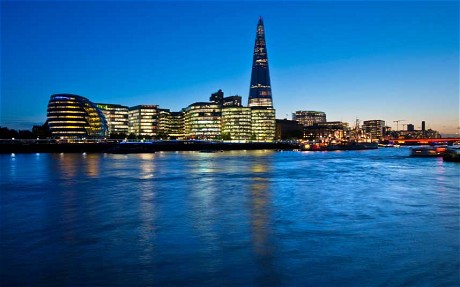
<point x="351" y="59"/>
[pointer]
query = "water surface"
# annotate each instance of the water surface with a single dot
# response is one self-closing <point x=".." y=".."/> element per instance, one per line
<point x="237" y="218"/>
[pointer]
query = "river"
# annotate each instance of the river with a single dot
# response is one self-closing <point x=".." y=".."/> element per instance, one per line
<point x="234" y="218"/>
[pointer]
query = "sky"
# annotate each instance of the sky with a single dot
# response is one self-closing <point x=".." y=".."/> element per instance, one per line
<point x="392" y="60"/>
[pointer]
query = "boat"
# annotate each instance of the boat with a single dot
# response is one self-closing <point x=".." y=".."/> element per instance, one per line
<point x="335" y="147"/>
<point x="452" y="154"/>
<point x="430" y="151"/>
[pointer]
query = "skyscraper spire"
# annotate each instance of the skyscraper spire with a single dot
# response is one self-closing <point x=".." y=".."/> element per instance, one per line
<point x="260" y="92"/>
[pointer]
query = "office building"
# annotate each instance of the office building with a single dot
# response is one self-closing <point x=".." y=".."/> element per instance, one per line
<point x="374" y="128"/>
<point x="143" y="120"/>
<point x="327" y="132"/>
<point x="202" y="120"/>
<point x="308" y="118"/>
<point x="236" y="123"/>
<point x="177" y="129"/>
<point x="75" y="117"/>
<point x="116" y="117"/>
<point x="263" y="125"/>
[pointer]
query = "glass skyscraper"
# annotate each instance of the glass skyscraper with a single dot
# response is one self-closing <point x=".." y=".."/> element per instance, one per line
<point x="260" y="91"/>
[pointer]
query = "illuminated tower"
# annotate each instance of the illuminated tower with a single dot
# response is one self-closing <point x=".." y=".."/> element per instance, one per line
<point x="260" y="91"/>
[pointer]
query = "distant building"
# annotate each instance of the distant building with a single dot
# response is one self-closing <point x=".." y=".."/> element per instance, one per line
<point x="375" y="128"/>
<point x="75" y="117"/>
<point x="202" y="120"/>
<point x="410" y="128"/>
<point x="143" y="120"/>
<point x="309" y="118"/>
<point x="287" y="129"/>
<point x="217" y="97"/>
<point x="116" y="117"/>
<point x="232" y="101"/>
<point x="327" y="132"/>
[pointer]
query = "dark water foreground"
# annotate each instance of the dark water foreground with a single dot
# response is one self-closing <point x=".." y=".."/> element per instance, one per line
<point x="234" y="218"/>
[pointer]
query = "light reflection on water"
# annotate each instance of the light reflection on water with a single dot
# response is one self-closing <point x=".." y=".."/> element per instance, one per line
<point x="232" y="218"/>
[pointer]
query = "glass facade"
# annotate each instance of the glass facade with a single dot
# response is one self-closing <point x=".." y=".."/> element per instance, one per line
<point x="75" y="117"/>
<point x="263" y="124"/>
<point x="260" y="91"/>
<point x="309" y="118"/>
<point x="143" y="120"/>
<point x="203" y="121"/>
<point x="116" y="117"/>
<point x="177" y="128"/>
<point x="236" y="124"/>
<point x="374" y="128"/>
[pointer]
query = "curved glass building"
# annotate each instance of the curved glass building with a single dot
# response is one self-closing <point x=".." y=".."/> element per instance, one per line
<point x="71" y="116"/>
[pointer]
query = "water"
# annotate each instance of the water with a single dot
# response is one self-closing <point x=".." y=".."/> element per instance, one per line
<point x="240" y="218"/>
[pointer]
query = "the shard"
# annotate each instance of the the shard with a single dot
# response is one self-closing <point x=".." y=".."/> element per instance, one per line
<point x="260" y="92"/>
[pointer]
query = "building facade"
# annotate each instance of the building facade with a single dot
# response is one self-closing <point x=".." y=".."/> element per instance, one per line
<point x="287" y="130"/>
<point x="116" y="117"/>
<point x="236" y="123"/>
<point x="327" y="132"/>
<point x="260" y="91"/>
<point x="202" y="120"/>
<point x="374" y="128"/>
<point x="75" y="117"/>
<point x="263" y="124"/>
<point x="143" y="120"/>
<point x="309" y="118"/>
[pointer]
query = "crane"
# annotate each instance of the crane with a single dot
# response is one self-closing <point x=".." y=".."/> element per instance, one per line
<point x="397" y="123"/>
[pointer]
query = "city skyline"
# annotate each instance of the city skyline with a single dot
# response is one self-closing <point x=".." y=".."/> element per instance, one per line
<point x="366" y="60"/>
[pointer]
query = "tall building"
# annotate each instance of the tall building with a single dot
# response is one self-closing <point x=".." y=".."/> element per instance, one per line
<point x="116" y="117"/>
<point x="75" y="117"/>
<point x="309" y="118"/>
<point x="263" y="124"/>
<point x="143" y="120"/>
<point x="260" y="91"/>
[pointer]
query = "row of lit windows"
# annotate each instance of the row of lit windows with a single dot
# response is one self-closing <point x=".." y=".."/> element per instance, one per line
<point x="67" y="122"/>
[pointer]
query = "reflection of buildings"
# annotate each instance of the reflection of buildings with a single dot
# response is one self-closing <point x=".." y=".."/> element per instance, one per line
<point x="72" y="116"/>
<point x="260" y="206"/>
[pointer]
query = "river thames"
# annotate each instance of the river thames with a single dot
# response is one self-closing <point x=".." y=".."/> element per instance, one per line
<point x="234" y="218"/>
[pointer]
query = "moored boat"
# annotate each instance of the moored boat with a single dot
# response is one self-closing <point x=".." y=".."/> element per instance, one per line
<point x="452" y="154"/>
<point x="431" y="151"/>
